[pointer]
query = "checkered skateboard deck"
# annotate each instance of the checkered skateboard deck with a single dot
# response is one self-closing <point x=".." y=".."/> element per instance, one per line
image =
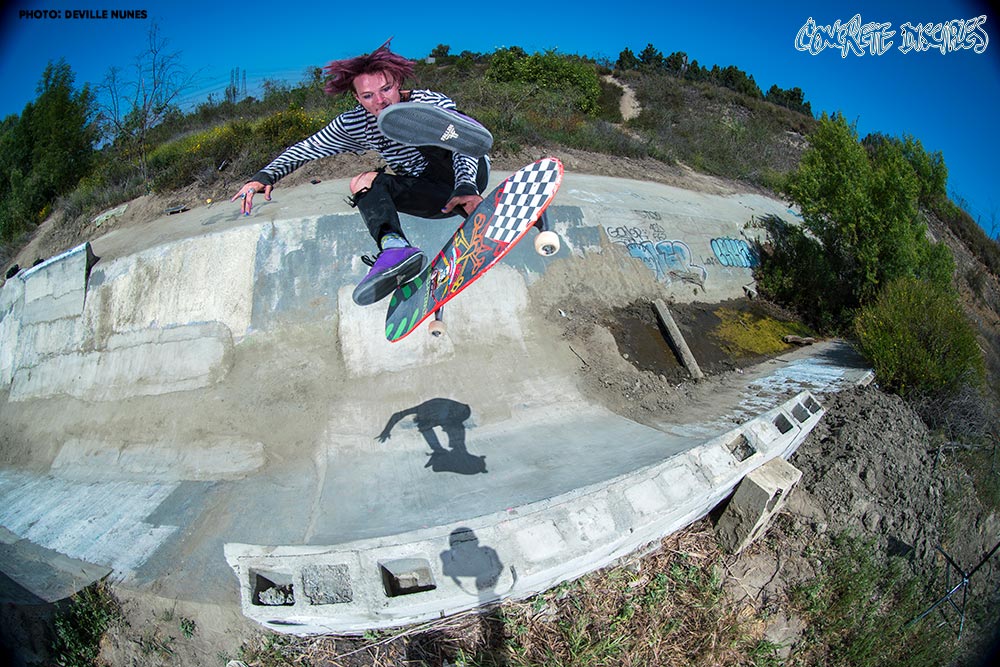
<point x="489" y="233"/>
<point x="421" y="124"/>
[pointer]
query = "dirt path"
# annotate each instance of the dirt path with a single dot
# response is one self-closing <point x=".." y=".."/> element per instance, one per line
<point x="629" y="104"/>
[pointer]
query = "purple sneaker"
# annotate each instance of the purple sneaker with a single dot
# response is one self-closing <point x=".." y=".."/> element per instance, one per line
<point x="392" y="268"/>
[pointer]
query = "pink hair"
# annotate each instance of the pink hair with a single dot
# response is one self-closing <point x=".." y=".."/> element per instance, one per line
<point x="341" y="73"/>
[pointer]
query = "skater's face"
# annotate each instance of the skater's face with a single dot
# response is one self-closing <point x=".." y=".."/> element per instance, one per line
<point x="375" y="91"/>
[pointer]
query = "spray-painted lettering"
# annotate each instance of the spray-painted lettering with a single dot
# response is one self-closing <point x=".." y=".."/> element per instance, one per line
<point x="735" y="252"/>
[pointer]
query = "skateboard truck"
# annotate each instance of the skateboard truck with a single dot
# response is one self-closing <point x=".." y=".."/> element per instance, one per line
<point x="546" y="244"/>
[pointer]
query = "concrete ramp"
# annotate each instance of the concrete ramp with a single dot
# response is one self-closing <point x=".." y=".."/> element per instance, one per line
<point x="599" y="497"/>
<point x="33" y="575"/>
<point x="205" y="413"/>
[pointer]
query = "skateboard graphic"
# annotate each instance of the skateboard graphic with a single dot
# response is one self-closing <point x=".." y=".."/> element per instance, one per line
<point x="420" y="124"/>
<point x="482" y="240"/>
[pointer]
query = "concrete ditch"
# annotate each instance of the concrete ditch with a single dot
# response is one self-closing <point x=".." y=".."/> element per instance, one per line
<point x="215" y="420"/>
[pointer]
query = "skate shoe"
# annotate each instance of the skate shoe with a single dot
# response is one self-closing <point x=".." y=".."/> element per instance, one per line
<point x="392" y="268"/>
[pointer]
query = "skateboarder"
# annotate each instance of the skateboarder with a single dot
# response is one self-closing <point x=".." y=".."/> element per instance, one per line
<point x="427" y="182"/>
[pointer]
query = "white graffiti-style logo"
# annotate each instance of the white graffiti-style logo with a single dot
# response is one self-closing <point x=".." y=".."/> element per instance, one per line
<point x="857" y="38"/>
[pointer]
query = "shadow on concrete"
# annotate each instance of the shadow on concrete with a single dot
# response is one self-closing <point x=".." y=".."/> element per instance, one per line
<point x="449" y="416"/>
<point x="27" y="625"/>
<point x="476" y="570"/>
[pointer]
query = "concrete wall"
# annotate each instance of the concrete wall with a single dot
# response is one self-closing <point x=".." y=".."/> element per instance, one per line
<point x="164" y="318"/>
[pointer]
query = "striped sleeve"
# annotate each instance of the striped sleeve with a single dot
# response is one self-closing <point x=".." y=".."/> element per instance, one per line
<point x="356" y="131"/>
<point x="340" y="136"/>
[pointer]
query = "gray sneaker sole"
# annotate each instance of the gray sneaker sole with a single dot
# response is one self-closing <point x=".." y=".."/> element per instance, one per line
<point x="417" y="124"/>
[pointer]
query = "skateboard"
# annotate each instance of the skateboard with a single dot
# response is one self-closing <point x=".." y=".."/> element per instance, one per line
<point x="420" y="124"/>
<point x="482" y="240"/>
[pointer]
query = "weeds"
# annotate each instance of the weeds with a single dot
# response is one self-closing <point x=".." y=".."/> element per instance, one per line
<point x="859" y="610"/>
<point x="743" y="333"/>
<point x="188" y="627"/>
<point x="80" y="626"/>
<point x="670" y="611"/>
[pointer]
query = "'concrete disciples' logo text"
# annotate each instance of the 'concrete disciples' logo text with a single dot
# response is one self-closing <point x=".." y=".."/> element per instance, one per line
<point x="856" y="38"/>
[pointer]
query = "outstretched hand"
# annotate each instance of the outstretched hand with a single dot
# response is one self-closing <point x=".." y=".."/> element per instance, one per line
<point x="248" y="191"/>
<point x="468" y="203"/>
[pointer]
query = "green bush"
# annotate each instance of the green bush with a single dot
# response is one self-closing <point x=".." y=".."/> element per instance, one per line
<point x="918" y="339"/>
<point x="178" y="163"/>
<point x="81" y="625"/>
<point x="570" y="75"/>
<point x="288" y="127"/>
<point x="862" y="227"/>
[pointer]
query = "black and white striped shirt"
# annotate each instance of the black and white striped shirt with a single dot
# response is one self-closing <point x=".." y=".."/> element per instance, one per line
<point x="356" y="131"/>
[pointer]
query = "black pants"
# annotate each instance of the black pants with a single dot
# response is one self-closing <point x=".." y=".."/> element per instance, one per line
<point x="423" y="196"/>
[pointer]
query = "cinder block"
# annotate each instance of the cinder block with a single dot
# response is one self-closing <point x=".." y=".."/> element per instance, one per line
<point x="760" y="496"/>
<point x="541" y="541"/>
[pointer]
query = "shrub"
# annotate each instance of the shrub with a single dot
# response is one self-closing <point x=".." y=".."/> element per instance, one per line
<point x="288" y="127"/>
<point x="178" y="163"/>
<point x="918" y="339"/>
<point x="573" y="76"/>
<point x="80" y="627"/>
<point x="862" y="227"/>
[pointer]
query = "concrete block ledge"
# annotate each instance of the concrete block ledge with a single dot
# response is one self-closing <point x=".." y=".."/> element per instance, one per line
<point x="57" y="287"/>
<point x="422" y="575"/>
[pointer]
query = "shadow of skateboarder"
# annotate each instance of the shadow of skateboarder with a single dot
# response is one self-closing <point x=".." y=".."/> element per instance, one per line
<point x="450" y="417"/>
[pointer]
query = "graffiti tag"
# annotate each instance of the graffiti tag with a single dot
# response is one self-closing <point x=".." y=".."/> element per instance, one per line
<point x="735" y="252"/>
<point x="669" y="260"/>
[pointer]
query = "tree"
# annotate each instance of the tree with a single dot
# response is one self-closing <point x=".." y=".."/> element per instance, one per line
<point x="861" y="224"/>
<point x="651" y="57"/>
<point x="793" y="99"/>
<point x="676" y="62"/>
<point x="47" y="150"/>
<point x="695" y="72"/>
<point x="930" y="168"/>
<point x="136" y="105"/>
<point x="736" y="79"/>
<point x="627" y="60"/>
<point x="440" y="51"/>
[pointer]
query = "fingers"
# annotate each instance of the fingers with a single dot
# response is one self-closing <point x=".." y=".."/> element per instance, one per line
<point x="243" y="191"/>
<point x="467" y="202"/>
<point x="247" y="192"/>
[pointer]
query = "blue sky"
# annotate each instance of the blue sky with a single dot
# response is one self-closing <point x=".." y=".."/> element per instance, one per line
<point x="948" y="101"/>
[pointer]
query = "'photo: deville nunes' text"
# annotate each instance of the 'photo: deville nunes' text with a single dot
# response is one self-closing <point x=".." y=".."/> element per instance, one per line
<point x="77" y="14"/>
